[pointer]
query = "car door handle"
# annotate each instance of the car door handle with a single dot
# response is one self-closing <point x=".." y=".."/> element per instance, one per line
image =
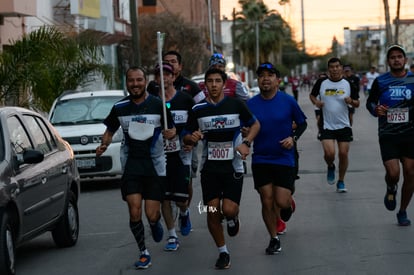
<point x="64" y="169"/>
<point x="44" y="180"/>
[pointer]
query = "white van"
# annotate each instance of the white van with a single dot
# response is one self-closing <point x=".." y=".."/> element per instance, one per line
<point x="78" y="117"/>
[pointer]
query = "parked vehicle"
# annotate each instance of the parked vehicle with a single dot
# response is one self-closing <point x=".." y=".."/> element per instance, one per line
<point x="78" y="117"/>
<point x="39" y="184"/>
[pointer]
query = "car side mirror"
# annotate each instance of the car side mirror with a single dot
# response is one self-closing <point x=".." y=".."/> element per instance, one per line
<point x="30" y="156"/>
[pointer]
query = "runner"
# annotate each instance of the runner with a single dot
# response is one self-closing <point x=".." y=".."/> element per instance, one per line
<point x="216" y="123"/>
<point x="273" y="159"/>
<point x="333" y="95"/>
<point x="391" y="100"/>
<point x="141" y="117"/>
<point x="178" y="159"/>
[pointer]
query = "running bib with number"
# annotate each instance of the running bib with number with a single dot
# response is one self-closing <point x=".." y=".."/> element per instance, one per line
<point x="172" y="145"/>
<point x="397" y="115"/>
<point x="220" y="150"/>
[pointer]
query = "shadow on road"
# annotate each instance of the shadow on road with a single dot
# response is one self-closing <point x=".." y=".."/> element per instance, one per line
<point x="97" y="184"/>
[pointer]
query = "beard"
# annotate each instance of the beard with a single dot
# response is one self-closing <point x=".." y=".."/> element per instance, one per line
<point x="135" y="95"/>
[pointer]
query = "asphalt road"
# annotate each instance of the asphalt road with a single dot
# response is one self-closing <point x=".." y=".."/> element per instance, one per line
<point x="330" y="233"/>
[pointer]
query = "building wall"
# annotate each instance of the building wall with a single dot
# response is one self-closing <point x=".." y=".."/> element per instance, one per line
<point x="406" y="37"/>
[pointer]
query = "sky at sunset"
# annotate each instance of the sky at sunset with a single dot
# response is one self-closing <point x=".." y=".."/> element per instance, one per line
<point x="325" y="19"/>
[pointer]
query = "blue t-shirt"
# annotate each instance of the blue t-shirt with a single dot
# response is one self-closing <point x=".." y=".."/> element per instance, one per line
<point x="276" y="117"/>
<point x="397" y="94"/>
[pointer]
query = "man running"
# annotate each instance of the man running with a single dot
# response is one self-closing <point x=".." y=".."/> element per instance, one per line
<point x="141" y="117"/>
<point x="333" y="95"/>
<point x="391" y="100"/>
<point x="216" y="122"/>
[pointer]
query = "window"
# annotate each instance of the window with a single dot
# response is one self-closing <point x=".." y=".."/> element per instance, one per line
<point x="18" y="136"/>
<point x="2" y="150"/>
<point x="149" y="2"/>
<point x="42" y="139"/>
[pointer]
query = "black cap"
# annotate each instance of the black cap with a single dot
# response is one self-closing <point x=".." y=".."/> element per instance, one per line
<point x="267" y="66"/>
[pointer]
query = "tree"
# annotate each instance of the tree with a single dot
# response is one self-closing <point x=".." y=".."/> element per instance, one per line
<point x="190" y="41"/>
<point x="43" y="64"/>
<point x="273" y="32"/>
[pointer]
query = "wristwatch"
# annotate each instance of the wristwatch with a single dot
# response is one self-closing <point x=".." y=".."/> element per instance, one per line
<point x="295" y="138"/>
<point x="246" y="142"/>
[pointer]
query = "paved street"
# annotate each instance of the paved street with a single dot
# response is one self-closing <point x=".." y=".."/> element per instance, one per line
<point x="330" y="233"/>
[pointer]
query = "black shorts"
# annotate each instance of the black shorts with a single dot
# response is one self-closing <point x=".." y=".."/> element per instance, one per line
<point x="140" y="177"/>
<point x="177" y="179"/>
<point x="396" y="148"/>
<point x="150" y="187"/>
<point x="222" y="186"/>
<point x="278" y="175"/>
<point x="341" y="135"/>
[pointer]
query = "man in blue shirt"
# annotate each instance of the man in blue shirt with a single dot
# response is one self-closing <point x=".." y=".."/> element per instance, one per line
<point x="273" y="159"/>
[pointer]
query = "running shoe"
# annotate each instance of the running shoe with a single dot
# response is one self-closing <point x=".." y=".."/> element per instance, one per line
<point x="144" y="262"/>
<point x="274" y="246"/>
<point x="185" y="224"/>
<point x="223" y="262"/>
<point x="172" y="244"/>
<point x="330" y="175"/>
<point x="390" y="199"/>
<point x="280" y="227"/>
<point x="233" y="226"/>
<point x="286" y="213"/>
<point x="402" y="218"/>
<point x="340" y="187"/>
<point x="157" y="232"/>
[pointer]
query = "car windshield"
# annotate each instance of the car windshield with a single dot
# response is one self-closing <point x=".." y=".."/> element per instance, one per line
<point x="2" y="149"/>
<point x="82" y="110"/>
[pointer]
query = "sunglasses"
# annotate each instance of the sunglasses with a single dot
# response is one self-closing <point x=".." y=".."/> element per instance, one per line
<point x="266" y="66"/>
<point x="217" y="55"/>
<point x="217" y="58"/>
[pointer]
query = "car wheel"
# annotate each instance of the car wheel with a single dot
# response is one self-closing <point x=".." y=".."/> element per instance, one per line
<point x="66" y="232"/>
<point x="7" y="246"/>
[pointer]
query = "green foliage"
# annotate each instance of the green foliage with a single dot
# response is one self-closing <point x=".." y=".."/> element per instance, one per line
<point x="39" y="67"/>
<point x="273" y="32"/>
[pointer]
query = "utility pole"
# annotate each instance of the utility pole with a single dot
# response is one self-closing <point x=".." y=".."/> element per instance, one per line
<point x="133" y="10"/>
<point x="257" y="44"/>
<point x="388" y="32"/>
<point x="397" y="22"/>
<point x="303" y="27"/>
<point x="210" y="23"/>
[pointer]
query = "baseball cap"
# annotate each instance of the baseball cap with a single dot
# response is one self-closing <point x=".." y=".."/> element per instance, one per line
<point x="395" y="47"/>
<point x="267" y="66"/>
<point x="217" y="58"/>
<point x="165" y="66"/>
<point x="347" y="67"/>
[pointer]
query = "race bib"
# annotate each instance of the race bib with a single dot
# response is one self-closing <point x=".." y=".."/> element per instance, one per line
<point x="172" y="145"/>
<point x="397" y="115"/>
<point x="140" y="131"/>
<point x="220" y="150"/>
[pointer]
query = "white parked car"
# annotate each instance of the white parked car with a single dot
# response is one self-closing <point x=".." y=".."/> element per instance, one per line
<point x="78" y="117"/>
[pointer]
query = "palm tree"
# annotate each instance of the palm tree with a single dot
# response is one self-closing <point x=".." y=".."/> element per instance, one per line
<point x="273" y="31"/>
<point x="39" y="67"/>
